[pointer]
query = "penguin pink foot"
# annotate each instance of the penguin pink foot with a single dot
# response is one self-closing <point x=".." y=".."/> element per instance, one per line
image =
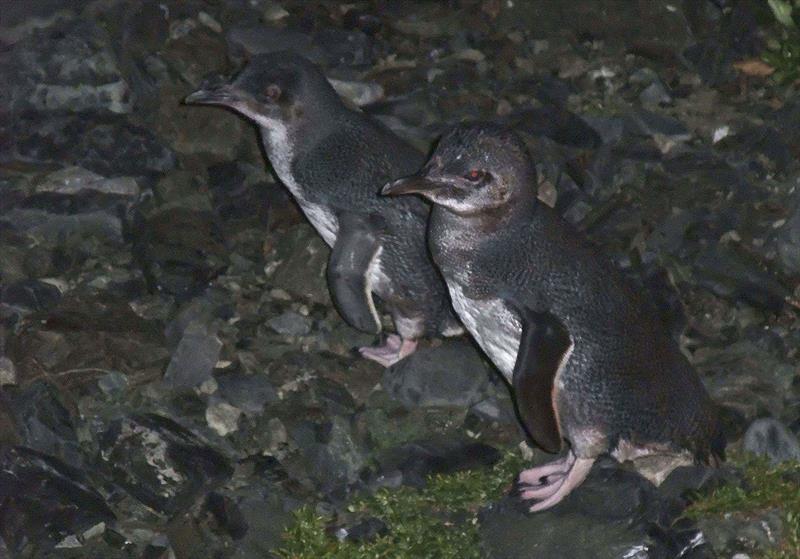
<point x="552" y="494"/>
<point x="395" y="349"/>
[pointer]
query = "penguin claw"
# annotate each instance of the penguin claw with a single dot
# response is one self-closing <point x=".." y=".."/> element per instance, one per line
<point x="390" y="352"/>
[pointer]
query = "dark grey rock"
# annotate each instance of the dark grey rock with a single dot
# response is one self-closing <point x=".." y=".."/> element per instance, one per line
<point x="69" y="68"/>
<point x="250" y="393"/>
<point x="298" y="264"/>
<point x="655" y="94"/>
<point x="30" y="295"/>
<point x="452" y="374"/>
<point x="43" y="501"/>
<point x="180" y="251"/>
<point x="733" y="534"/>
<point x="771" y="438"/>
<point x="103" y="143"/>
<point x="194" y="359"/>
<point x="648" y="123"/>
<point x="412" y="463"/>
<point x="334" y="451"/>
<point x="250" y="41"/>
<point x="160" y="463"/>
<point x="290" y="323"/>
<point x="788" y="242"/>
<point x="42" y="422"/>
<point x="614" y="513"/>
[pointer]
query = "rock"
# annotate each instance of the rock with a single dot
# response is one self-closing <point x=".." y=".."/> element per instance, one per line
<point x="44" y="501"/>
<point x="298" y="264"/>
<point x="106" y="144"/>
<point x="30" y="295"/>
<point x="412" y="463"/>
<point x="69" y="67"/>
<point x="290" y="323"/>
<point x="87" y="335"/>
<point x="180" y="251"/>
<point x="223" y="418"/>
<point x="452" y="374"/>
<point x="194" y="359"/>
<point x="160" y="463"/>
<point x="42" y="423"/>
<point x="73" y="180"/>
<point x="8" y="373"/>
<point x="358" y="93"/>
<point x="250" y="41"/>
<point x="788" y="242"/>
<point x="250" y="393"/>
<point x="771" y="438"/>
<point x="227" y="514"/>
<point x="614" y="513"/>
<point x="556" y="123"/>
<point x="756" y="532"/>
<point x="655" y="94"/>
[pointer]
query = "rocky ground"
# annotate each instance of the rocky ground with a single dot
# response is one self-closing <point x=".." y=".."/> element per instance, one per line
<point x="175" y="381"/>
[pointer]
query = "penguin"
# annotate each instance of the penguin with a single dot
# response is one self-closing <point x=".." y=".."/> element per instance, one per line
<point x="592" y="367"/>
<point x="334" y="160"/>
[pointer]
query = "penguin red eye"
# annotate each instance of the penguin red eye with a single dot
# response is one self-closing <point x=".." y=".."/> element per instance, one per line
<point x="273" y="92"/>
<point x="475" y="175"/>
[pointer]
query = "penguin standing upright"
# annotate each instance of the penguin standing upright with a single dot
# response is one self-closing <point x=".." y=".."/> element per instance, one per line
<point x="334" y="161"/>
<point x="589" y="361"/>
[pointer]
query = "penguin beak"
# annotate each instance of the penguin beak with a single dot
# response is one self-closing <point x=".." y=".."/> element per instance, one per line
<point x="415" y="184"/>
<point x="221" y="95"/>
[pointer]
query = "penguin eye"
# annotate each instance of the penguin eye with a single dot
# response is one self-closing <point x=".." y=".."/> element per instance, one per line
<point x="475" y="175"/>
<point x="273" y="92"/>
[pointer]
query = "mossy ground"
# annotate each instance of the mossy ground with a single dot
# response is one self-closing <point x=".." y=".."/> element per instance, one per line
<point x="764" y="487"/>
<point x="440" y="520"/>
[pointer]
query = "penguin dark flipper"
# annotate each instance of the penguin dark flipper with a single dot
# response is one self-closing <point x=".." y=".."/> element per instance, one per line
<point x="354" y="252"/>
<point x="545" y="346"/>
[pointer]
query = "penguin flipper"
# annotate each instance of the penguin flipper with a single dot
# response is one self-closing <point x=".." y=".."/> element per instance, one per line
<point x="353" y="255"/>
<point x="545" y="346"/>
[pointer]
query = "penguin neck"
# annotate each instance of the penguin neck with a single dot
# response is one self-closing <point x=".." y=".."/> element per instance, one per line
<point x="490" y="221"/>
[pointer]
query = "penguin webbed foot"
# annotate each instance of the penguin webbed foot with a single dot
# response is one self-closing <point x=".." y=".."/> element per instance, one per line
<point x="393" y="350"/>
<point x="549" y="483"/>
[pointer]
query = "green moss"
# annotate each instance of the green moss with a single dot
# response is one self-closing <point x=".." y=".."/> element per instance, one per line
<point x="438" y="521"/>
<point x="765" y="487"/>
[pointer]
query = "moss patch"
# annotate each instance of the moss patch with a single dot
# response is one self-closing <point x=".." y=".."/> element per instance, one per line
<point x="764" y="487"/>
<point x="439" y="520"/>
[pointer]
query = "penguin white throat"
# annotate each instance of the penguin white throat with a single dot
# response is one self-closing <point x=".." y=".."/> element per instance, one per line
<point x="279" y="146"/>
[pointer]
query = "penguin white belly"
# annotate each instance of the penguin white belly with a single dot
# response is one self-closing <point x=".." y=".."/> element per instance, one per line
<point x="496" y="329"/>
<point x="281" y="156"/>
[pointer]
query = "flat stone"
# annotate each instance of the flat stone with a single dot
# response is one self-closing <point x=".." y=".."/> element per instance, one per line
<point x="194" y="359"/>
<point x="771" y="438"/>
<point x="452" y="374"/>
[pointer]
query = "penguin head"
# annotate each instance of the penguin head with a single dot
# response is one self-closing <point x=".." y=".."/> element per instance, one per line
<point x="474" y="169"/>
<point x="274" y="88"/>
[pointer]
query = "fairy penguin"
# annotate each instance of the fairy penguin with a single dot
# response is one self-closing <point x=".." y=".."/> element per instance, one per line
<point x="590" y="363"/>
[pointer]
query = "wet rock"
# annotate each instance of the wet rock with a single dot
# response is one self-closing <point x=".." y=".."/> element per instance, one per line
<point x="30" y="295"/>
<point x="452" y="374"/>
<point x="42" y="423"/>
<point x="290" y="323"/>
<point x="87" y="335"/>
<point x="222" y="417"/>
<point x="298" y="264"/>
<point x="250" y="41"/>
<point x="109" y="145"/>
<point x="69" y="67"/>
<point x="44" y="501"/>
<point x="611" y="515"/>
<point x="736" y="534"/>
<point x="73" y="180"/>
<point x="227" y="514"/>
<point x="194" y="359"/>
<point x="180" y="251"/>
<point x="8" y="372"/>
<point x="334" y="452"/>
<point x="250" y="393"/>
<point x="160" y="463"/>
<point x="556" y="123"/>
<point x="412" y="463"/>
<point x="771" y="438"/>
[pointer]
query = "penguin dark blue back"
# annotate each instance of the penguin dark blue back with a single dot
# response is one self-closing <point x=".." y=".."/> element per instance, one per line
<point x="334" y="161"/>
<point x="590" y="361"/>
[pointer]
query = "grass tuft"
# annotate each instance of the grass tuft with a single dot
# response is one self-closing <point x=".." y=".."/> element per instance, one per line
<point x="437" y="521"/>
